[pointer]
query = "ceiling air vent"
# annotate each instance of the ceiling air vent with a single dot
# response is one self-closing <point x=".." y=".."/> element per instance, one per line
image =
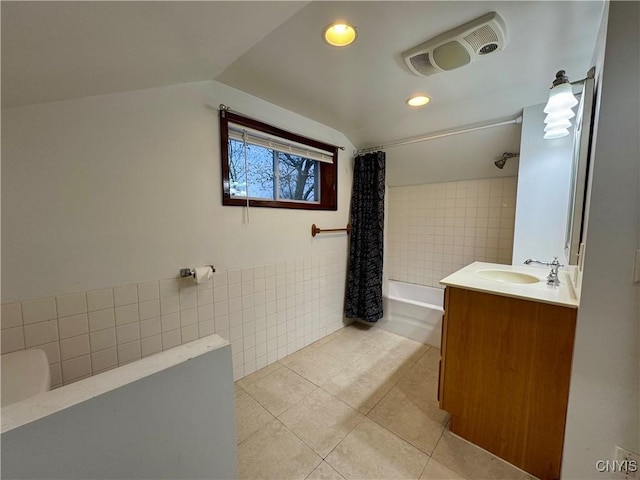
<point x="458" y="47"/>
<point x="421" y="63"/>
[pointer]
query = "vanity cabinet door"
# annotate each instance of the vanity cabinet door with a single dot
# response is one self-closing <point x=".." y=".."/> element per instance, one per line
<point x="505" y="376"/>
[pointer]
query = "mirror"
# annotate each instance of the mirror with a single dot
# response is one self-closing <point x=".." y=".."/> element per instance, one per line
<point x="579" y="169"/>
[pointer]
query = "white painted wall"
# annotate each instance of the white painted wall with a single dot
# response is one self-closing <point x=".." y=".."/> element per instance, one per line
<point x="544" y="181"/>
<point x="151" y="427"/>
<point x="604" y="397"/>
<point x="123" y="188"/>
<point x="467" y="156"/>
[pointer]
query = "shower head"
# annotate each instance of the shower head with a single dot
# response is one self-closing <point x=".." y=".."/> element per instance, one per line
<point x="505" y="156"/>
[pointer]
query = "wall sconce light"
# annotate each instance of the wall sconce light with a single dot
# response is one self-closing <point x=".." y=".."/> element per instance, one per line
<point x="559" y="107"/>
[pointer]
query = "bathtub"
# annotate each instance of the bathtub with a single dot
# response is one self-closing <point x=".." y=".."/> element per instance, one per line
<point x="413" y="311"/>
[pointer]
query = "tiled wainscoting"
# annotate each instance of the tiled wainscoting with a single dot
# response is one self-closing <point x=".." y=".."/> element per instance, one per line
<point x="267" y="312"/>
<point x="436" y="229"/>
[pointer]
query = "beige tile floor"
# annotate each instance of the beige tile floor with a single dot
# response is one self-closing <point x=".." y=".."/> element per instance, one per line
<point x="358" y="404"/>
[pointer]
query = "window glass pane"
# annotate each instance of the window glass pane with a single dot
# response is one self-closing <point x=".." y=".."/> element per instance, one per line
<point x="237" y="181"/>
<point x="277" y="168"/>
<point x="259" y="169"/>
<point x="298" y="177"/>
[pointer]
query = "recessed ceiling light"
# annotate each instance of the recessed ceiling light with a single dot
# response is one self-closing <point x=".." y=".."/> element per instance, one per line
<point x="418" y="100"/>
<point x="339" y="34"/>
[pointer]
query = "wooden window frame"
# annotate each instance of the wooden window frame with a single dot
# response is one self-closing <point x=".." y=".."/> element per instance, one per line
<point x="328" y="178"/>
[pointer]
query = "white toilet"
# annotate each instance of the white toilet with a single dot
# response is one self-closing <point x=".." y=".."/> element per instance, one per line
<point x="24" y="374"/>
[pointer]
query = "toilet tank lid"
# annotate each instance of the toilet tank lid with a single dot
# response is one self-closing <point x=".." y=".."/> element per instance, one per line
<point x="25" y="373"/>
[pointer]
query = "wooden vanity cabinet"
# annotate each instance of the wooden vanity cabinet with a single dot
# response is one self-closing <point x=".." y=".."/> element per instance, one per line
<point x="504" y="376"/>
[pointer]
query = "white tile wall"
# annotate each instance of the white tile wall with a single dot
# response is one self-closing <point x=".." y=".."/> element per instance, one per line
<point x="170" y="304"/>
<point x="100" y="299"/>
<point x="40" y="333"/>
<point x="149" y="309"/>
<point x="436" y="229"/>
<point x="151" y="345"/>
<point x="104" y="360"/>
<point x="74" y="347"/>
<point x="39" y="310"/>
<point x="171" y="339"/>
<point x="76" y="369"/>
<point x="56" y="374"/>
<point x="127" y="314"/>
<point x="102" y="319"/>
<point x="73" y="326"/>
<point x="129" y="352"/>
<point x="170" y="322"/>
<point x="11" y="315"/>
<point x="125" y="295"/>
<point x="102" y="339"/>
<point x="169" y="288"/>
<point x="127" y="333"/>
<point x="151" y="327"/>
<point x="148" y="291"/>
<point x="266" y="312"/>
<point x="69" y="305"/>
<point x="12" y="339"/>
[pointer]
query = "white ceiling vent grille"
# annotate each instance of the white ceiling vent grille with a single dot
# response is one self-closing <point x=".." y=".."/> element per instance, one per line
<point x="421" y="63"/>
<point x="481" y="37"/>
<point x="458" y="47"/>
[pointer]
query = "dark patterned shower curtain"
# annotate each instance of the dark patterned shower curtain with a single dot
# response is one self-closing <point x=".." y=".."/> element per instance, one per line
<point x="366" y="244"/>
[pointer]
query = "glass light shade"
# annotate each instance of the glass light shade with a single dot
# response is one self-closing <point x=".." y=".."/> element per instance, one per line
<point x="339" y="34"/>
<point x="418" y="100"/>
<point x="560" y="98"/>
<point x="561" y="124"/>
<point x="565" y="114"/>
<point x="556" y="133"/>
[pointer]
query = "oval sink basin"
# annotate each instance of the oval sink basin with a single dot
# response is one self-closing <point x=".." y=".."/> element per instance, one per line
<point x="507" y="276"/>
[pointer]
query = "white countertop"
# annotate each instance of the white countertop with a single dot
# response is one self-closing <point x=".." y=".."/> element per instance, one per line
<point x="563" y="295"/>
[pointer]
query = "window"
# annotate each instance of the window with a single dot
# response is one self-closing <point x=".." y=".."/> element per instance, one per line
<point x="265" y="166"/>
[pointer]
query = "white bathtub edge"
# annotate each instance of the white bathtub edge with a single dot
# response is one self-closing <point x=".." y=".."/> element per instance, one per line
<point x="430" y="306"/>
<point x="417" y="315"/>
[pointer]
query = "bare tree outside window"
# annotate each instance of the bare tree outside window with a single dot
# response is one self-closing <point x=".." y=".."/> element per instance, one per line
<point x="296" y="177"/>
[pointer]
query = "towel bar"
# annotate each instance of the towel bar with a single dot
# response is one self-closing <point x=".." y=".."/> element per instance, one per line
<point x="315" y="230"/>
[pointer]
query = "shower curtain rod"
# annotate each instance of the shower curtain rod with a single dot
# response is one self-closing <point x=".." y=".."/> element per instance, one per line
<point x="424" y="138"/>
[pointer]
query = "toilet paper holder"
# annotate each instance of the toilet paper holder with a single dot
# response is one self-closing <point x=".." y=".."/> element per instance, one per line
<point x="190" y="272"/>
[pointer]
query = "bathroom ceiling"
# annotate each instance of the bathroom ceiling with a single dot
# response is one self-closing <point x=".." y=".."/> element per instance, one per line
<point x="273" y="50"/>
<point x="60" y="50"/>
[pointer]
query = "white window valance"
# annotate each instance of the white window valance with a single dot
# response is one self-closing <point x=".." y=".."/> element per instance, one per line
<point x="254" y="137"/>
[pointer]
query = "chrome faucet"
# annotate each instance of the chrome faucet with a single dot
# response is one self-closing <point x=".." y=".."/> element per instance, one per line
<point x="552" y="278"/>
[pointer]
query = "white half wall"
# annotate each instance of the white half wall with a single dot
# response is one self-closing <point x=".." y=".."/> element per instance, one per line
<point x="544" y="182"/>
<point x="178" y="422"/>
<point x="604" y="395"/>
<point x="125" y="188"/>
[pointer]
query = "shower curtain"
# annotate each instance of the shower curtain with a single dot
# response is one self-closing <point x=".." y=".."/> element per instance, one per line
<point x="366" y="245"/>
